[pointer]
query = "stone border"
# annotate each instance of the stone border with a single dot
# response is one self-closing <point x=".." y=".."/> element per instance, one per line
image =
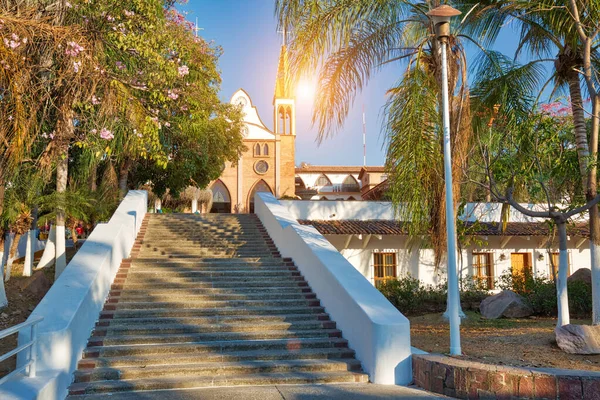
<point x="473" y="380"/>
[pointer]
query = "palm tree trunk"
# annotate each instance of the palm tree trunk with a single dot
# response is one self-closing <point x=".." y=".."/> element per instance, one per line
<point x="581" y="139"/>
<point x="93" y="177"/>
<point x="11" y="256"/>
<point x="594" y="213"/>
<point x="123" y="174"/>
<point x="561" y="280"/>
<point x="49" y="254"/>
<point x="62" y="170"/>
<point x="588" y="177"/>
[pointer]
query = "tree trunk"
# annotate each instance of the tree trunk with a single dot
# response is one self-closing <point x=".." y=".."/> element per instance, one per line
<point x="11" y="256"/>
<point x="93" y="177"/>
<point x="62" y="170"/>
<point x="581" y="138"/>
<point x="594" y="214"/>
<point x="561" y="279"/>
<point x="29" y="249"/>
<point x="123" y="175"/>
<point x="2" y="253"/>
<point x="49" y="254"/>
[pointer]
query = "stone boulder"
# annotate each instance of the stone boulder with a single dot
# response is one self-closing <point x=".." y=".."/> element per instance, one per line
<point x="578" y="339"/>
<point x="505" y="304"/>
<point x="581" y="275"/>
<point x="38" y="284"/>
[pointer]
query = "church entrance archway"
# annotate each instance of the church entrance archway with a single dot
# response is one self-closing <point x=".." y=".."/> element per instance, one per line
<point x="260" y="186"/>
<point x="221" y="198"/>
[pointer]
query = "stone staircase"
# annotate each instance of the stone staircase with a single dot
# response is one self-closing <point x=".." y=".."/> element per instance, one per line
<point x="209" y="301"/>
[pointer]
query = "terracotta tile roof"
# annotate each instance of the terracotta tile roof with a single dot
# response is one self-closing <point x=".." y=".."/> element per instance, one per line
<point x="376" y="192"/>
<point x="387" y="227"/>
<point x="333" y="169"/>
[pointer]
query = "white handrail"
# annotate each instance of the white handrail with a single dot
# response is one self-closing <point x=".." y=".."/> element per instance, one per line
<point x="32" y="324"/>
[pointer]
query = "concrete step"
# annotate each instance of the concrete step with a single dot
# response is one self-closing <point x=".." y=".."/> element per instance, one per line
<point x="238" y="269"/>
<point x="215" y="282"/>
<point x="226" y="346"/>
<point x="203" y="274"/>
<point x="250" y="320"/>
<point x="228" y="380"/>
<point x="206" y="261"/>
<point x="210" y="304"/>
<point x="235" y="356"/>
<point x="215" y="369"/>
<point x="183" y="255"/>
<point x="166" y="312"/>
<point x="182" y="296"/>
<point x="158" y="337"/>
<point x="236" y="291"/>
<point x="174" y="328"/>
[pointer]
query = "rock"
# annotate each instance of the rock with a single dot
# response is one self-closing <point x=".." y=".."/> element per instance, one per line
<point x="581" y="275"/>
<point x="578" y="339"/>
<point x="37" y="284"/>
<point x="505" y="304"/>
<point x="3" y="315"/>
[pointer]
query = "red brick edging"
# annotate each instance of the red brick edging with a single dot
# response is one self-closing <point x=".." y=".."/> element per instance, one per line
<point x="473" y="380"/>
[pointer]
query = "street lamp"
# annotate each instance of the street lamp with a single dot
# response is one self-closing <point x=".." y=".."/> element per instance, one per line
<point x="440" y="16"/>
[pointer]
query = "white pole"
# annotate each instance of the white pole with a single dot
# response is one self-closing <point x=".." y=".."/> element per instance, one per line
<point x="453" y="294"/>
<point x="364" y="137"/>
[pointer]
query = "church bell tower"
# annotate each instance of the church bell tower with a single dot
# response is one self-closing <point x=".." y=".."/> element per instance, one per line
<point x="284" y="125"/>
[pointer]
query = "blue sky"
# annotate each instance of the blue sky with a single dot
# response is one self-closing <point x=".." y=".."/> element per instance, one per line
<point x="247" y="32"/>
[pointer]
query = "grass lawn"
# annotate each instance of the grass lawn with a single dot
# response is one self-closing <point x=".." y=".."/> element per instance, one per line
<point x="528" y="342"/>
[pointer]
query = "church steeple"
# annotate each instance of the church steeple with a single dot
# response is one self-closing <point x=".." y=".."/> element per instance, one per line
<point x="283" y="100"/>
<point x="282" y="83"/>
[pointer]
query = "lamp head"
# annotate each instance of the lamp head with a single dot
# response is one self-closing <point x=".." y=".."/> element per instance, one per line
<point x="440" y="16"/>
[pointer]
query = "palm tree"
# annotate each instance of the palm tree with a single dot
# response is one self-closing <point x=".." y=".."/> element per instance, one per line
<point x="564" y="35"/>
<point x="349" y="41"/>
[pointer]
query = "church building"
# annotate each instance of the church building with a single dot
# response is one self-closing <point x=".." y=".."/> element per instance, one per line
<point x="267" y="165"/>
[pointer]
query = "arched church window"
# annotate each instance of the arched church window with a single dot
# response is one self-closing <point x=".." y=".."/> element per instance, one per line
<point x="282" y="116"/>
<point x="350" y="184"/>
<point x="323" y="181"/>
<point x="266" y="150"/>
<point x="289" y="120"/>
<point x="257" y="150"/>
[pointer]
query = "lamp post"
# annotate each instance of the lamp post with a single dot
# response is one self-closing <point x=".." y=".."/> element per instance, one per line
<point x="440" y="16"/>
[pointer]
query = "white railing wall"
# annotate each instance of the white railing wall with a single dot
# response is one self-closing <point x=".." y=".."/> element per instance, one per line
<point x="374" y="328"/>
<point x="73" y="303"/>
<point x="30" y="365"/>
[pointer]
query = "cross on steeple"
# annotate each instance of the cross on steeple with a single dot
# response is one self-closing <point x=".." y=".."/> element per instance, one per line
<point x="196" y="28"/>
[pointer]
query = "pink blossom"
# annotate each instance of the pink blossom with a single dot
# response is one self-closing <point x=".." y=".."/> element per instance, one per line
<point x="168" y="124"/>
<point x="95" y="100"/>
<point x="94" y="131"/>
<point x="110" y="18"/>
<point x="128" y="13"/>
<point x="183" y="70"/>
<point x="73" y="49"/>
<point x="120" y="65"/>
<point x="106" y="134"/>
<point x="76" y="66"/>
<point x="172" y="94"/>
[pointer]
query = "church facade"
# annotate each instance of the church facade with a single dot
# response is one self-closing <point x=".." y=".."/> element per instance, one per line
<point x="268" y="163"/>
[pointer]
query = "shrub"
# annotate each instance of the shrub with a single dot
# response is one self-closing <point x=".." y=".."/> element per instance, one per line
<point x="412" y="297"/>
<point x="540" y="292"/>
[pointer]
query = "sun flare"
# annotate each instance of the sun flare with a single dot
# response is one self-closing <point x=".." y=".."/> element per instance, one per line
<point x="306" y="89"/>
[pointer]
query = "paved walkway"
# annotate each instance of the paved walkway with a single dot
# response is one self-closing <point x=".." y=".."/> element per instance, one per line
<point x="279" y="392"/>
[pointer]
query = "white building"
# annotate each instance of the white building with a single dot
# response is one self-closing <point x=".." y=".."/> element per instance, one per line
<point x="369" y="237"/>
<point x="318" y="182"/>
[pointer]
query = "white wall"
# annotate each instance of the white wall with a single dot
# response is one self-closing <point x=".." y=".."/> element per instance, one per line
<point x="376" y="330"/>
<point x="73" y="303"/>
<point x="366" y="210"/>
<point x="419" y="262"/>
